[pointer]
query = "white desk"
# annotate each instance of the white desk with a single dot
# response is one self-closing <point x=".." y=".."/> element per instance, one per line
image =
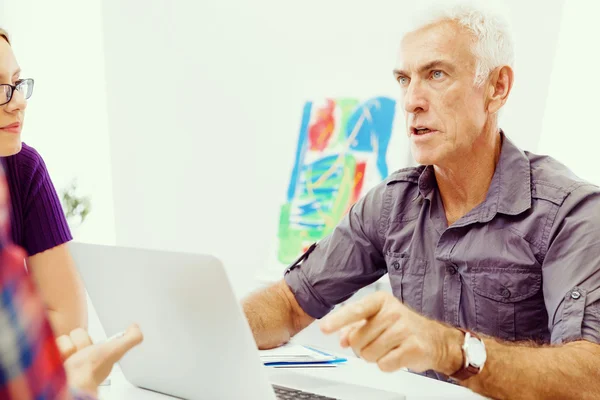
<point x="355" y="371"/>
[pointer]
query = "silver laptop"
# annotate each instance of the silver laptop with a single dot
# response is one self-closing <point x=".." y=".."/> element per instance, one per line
<point x="197" y="342"/>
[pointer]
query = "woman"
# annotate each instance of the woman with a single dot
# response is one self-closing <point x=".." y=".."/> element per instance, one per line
<point x="38" y="223"/>
<point x="32" y="364"/>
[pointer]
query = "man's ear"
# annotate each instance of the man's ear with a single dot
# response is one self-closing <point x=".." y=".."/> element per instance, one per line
<point x="499" y="87"/>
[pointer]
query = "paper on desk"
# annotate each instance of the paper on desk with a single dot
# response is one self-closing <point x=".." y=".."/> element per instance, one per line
<point x="311" y="366"/>
<point x="296" y="354"/>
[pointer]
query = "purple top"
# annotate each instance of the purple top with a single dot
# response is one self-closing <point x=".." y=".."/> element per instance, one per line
<point x="523" y="265"/>
<point x="38" y="221"/>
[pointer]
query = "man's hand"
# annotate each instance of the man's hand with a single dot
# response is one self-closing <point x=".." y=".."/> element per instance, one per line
<point x="381" y="329"/>
<point x="87" y="364"/>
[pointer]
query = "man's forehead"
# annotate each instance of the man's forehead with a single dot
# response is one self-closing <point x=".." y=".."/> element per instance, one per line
<point x="443" y="41"/>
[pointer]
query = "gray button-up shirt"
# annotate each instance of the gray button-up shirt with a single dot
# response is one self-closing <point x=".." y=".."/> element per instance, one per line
<point x="523" y="265"/>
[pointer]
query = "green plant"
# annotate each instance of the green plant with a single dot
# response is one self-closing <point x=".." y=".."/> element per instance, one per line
<point x="76" y="208"/>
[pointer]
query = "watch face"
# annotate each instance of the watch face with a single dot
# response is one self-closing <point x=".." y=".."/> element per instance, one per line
<point x="476" y="352"/>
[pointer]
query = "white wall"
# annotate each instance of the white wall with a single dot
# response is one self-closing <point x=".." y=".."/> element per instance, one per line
<point x="570" y="130"/>
<point x="201" y="152"/>
<point x="536" y="26"/>
<point x="204" y="102"/>
<point x="59" y="44"/>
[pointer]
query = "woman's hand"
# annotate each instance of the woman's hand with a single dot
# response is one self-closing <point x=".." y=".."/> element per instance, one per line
<point x="87" y="364"/>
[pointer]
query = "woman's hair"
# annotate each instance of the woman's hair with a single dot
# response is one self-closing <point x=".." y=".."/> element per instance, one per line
<point x="4" y="34"/>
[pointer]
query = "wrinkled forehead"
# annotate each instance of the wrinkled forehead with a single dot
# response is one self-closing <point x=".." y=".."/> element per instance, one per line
<point x="446" y="41"/>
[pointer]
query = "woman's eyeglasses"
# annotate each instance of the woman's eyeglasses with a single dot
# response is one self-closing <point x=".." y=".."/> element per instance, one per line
<point x="25" y="86"/>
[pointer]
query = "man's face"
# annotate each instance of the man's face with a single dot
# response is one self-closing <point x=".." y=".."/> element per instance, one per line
<point x="445" y="111"/>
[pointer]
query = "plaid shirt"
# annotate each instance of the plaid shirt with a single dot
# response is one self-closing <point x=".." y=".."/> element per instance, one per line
<point x="30" y="363"/>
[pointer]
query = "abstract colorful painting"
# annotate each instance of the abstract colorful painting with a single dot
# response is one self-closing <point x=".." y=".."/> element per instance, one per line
<point x="341" y="141"/>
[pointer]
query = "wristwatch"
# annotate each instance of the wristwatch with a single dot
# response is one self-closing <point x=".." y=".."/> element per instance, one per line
<point x="474" y="356"/>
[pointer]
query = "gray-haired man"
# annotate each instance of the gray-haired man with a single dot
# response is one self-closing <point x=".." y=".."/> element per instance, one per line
<point x="501" y="243"/>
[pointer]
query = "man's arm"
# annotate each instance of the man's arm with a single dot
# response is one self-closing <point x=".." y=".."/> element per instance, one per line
<point x="274" y="315"/>
<point x="394" y="336"/>
<point x="327" y="274"/>
<point x="569" y="371"/>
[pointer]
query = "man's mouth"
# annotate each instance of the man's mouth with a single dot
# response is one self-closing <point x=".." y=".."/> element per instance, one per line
<point x="421" y="131"/>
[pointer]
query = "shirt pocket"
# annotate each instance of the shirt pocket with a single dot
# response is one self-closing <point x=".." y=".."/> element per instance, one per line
<point x="509" y="302"/>
<point x="407" y="278"/>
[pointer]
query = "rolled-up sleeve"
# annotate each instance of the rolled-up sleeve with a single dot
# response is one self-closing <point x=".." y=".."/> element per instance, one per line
<point x="343" y="262"/>
<point x="571" y="269"/>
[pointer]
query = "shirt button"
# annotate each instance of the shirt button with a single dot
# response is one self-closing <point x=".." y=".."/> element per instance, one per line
<point x="451" y="269"/>
<point x="396" y="265"/>
<point x="575" y="294"/>
<point x="505" y="293"/>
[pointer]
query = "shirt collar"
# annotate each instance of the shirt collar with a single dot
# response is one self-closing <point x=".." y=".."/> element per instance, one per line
<point x="509" y="192"/>
<point x="427" y="182"/>
<point x="510" y="189"/>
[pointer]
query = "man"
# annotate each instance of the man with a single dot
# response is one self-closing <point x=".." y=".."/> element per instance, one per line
<point x="503" y="244"/>
<point x="33" y="364"/>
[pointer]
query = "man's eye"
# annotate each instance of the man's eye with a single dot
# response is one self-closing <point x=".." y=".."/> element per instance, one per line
<point x="437" y="74"/>
<point x="403" y="80"/>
